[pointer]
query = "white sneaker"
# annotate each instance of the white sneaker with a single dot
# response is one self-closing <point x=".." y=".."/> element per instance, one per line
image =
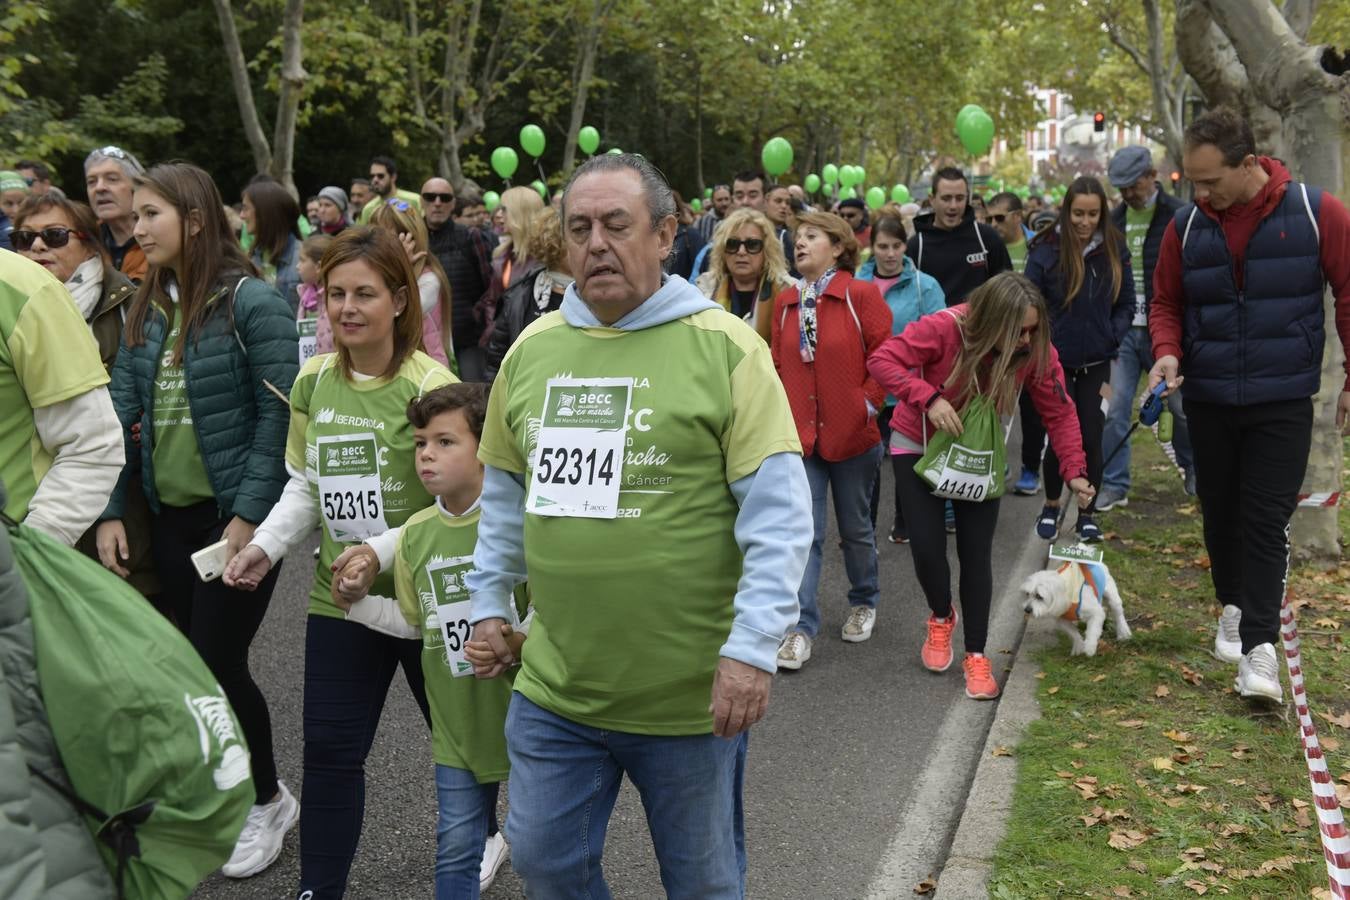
<point x="858" y="626"/>
<point x="495" y="852"/>
<point x="795" y="650"/>
<point x="1227" y="641"/>
<point x="259" y="843"/>
<point x="1259" y="674"/>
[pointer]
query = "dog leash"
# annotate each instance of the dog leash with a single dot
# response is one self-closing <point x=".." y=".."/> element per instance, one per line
<point x="1331" y="824"/>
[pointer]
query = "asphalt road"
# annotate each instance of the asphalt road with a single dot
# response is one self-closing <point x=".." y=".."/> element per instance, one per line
<point x="855" y="780"/>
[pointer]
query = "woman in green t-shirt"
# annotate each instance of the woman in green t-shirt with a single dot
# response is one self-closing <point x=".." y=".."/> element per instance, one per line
<point x="352" y="470"/>
<point x="204" y="347"/>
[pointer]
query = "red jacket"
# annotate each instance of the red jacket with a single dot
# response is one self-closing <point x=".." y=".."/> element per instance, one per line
<point x="1239" y="224"/>
<point x="914" y="366"/>
<point x="830" y="397"/>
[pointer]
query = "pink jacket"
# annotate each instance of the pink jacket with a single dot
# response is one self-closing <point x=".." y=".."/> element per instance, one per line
<point x="915" y="364"/>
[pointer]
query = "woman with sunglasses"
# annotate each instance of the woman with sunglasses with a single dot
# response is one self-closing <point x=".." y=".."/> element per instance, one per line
<point x="1082" y="267"/>
<point x="746" y="268"/>
<point x="994" y="345"/>
<point x="61" y="235"/>
<point x="910" y="294"/>
<point x="822" y="330"/>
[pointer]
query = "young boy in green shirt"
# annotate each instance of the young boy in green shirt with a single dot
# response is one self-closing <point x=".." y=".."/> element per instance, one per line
<point x="433" y="551"/>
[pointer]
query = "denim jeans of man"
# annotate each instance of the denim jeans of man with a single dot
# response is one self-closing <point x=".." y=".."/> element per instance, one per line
<point x="461" y="829"/>
<point x="565" y="778"/>
<point x="850" y="481"/>
<point x="1136" y="357"/>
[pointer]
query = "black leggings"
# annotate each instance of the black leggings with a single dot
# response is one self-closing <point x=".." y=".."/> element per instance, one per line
<point x="1085" y="390"/>
<point x="219" y="621"/>
<point x="975" y="523"/>
<point x="1033" y="432"/>
<point x="884" y="425"/>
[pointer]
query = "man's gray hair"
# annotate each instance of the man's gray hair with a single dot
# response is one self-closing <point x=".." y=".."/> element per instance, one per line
<point x="131" y="166"/>
<point x="660" y="199"/>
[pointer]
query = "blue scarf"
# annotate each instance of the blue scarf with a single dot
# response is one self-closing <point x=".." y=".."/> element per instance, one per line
<point x="806" y="313"/>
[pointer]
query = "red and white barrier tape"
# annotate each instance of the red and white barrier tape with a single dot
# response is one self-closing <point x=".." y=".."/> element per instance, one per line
<point x="1335" y="838"/>
<point x="1320" y="499"/>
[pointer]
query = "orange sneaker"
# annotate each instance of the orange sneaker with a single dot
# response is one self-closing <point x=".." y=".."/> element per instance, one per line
<point x="980" y="683"/>
<point x="937" y="645"/>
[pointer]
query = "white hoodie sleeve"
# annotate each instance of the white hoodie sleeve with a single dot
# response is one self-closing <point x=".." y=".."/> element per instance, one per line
<point x="294" y="516"/>
<point x="85" y="439"/>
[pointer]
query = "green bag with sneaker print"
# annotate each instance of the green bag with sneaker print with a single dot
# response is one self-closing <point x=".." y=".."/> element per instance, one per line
<point x="155" y="757"/>
<point x="969" y="467"/>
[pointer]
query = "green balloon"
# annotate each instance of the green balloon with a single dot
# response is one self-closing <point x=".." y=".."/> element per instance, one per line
<point x="846" y="176"/>
<point x="532" y="140"/>
<point x="876" y="197"/>
<point x="588" y="139"/>
<point x="848" y="194"/>
<point x="830" y="173"/>
<point x="966" y="111"/>
<point x="504" y="161"/>
<point x="859" y="174"/>
<point x="812" y="183"/>
<point x="976" y="131"/>
<point x="707" y="193"/>
<point x="900" y="194"/>
<point x="696" y="205"/>
<point x="776" y="156"/>
<point x="540" y="187"/>
<point x="615" y="151"/>
<point x="491" y="199"/>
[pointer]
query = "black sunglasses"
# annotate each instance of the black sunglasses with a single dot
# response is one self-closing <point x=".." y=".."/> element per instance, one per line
<point x="432" y="197"/>
<point x="997" y="218"/>
<point x="55" y="237"/>
<point x="752" y="246"/>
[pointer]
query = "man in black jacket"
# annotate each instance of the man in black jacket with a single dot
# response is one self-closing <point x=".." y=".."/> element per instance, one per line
<point x="950" y="245"/>
<point x="1142" y="217"/>
<point x="466" y="256"/>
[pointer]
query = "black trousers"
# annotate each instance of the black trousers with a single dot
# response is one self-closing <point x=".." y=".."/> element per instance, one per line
<point x="219" y="621"/>
<point x="1249" y="466"/>
<point x="1033" y="432"/>
<point x="1085" y="390"/>
<point x="975" y="524"/>
<point x="884" y="424"/>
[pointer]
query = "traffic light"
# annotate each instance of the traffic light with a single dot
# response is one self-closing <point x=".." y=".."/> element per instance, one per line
<point x="1176" y="183"/>
<point x="1098" y="121"/>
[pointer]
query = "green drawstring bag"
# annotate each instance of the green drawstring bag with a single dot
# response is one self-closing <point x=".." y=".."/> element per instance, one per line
<point x="155" y="757"/>
<point x="969" y="467"/>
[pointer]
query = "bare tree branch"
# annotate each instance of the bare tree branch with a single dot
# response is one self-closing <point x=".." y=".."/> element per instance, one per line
<point x="293" y="76"/>
<point x="243" y="91"/>
<point x="1300" y="14"/>
<point x="1280" y="66"/>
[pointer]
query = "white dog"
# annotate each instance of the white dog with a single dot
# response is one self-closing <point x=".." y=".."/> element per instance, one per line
<point x="1076" y="591"/>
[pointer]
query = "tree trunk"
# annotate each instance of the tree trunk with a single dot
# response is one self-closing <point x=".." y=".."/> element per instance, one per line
<point x="1167" y="100"/>
<point x="293" y="77"/>
<point x="1286" y="75"/>
<point x="698" y="129"/>
<point x="243" y="91"/>
<point x="589" y="46"/>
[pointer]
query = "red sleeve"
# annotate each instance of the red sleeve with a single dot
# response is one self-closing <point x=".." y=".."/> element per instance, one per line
<point x="876" y="327"/>
<point x="1164" y="310"/>
<point x="896" y="362"/>
<point x="1061" y="420"/>
<point x="1334" y="225"/>
<point x="775" y="329"/>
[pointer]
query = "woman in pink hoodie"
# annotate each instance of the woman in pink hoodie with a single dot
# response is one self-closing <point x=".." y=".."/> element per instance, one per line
<point x="995" y="345"/>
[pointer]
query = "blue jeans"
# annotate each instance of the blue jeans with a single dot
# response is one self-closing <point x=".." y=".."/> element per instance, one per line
<point x="1136" y="357"/>
<point x="564" y="781"/>
<point x="851" y="480"/>
<point x="461" y="829"/>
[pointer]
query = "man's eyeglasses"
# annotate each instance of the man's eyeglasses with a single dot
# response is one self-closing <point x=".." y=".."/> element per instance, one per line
<point x="55" y="237"/>
<point x="998" y="218"/>
<point x="378" y="176"/>
<point x="751" y="245"/>
<point x="432" y="197"/>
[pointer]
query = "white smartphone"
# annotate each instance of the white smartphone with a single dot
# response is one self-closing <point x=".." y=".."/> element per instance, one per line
<point x="210" y="561"/>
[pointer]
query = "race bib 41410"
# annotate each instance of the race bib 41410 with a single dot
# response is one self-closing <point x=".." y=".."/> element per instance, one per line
<point x="578" y="463"/>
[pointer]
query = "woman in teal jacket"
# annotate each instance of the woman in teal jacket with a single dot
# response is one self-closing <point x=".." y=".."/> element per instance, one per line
<point x="208" y="354"/>
<point x="910" y="294"/>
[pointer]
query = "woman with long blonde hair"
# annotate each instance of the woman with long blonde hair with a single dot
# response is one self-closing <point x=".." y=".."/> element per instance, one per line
<point x="993" y="346"/>
<point x="405" y="222"/>
<point x="746" y="268"/>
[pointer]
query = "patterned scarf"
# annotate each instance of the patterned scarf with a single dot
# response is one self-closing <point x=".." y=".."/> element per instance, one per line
<point x="806" y="313"/>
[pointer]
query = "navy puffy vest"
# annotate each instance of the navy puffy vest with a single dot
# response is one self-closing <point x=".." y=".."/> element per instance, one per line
<point x="1263" y="343"/>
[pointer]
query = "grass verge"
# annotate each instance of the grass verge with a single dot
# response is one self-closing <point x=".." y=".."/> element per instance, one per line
<point x="1147" y="776"/>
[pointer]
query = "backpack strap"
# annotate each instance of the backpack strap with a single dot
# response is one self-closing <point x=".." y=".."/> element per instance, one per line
<point x="1307" y="205"/>
<point x="1189" y="221"/>
<point x="698" y="260"/>
<point x="848" y="299"/>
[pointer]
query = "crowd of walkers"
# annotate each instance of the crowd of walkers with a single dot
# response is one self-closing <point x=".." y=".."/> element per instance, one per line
<point x="604" y="389"/>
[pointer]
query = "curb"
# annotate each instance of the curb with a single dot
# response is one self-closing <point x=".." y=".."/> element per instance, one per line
<point x="970" y="862"/>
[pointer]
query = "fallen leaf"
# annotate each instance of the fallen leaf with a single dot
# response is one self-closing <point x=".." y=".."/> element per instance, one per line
<point x="1098" y="678"/>
<point x="1174" y="802"/>
<point x="1001" y="751"/>
<point x="1121" y="890"/>
<point x="1278" y="864"/>
<point x="1232" y="828"/>
<point x="1190" y="675"/>
<point x="1331" y="744"/>
<point x="927" y="886"/>
<point x="1162" y="764"/>
<point x="1333" y="624"/>
<point x="1240" y="751"/>
<point x="1302" y="819"/>
<point x="1264" y="801"/>
<point x="1180" y="737"/>
<point x="1341" y="721"/>
<point x="1135" y="723"/>
<point x="1236" y="782"/>
<point x="1343" y="795"/>
<point x="1182" y="758"/>
<point x="1193" y="854"/>
<point x="1040" y="674"/>
<point x="1126" y="840"/>
<point x="1162" y="690"/>
<point x="1082" y="745"/>
<point x="1198" y="886"/>
<point x="1195" y="789"/>
<point x="1053" y="689"/>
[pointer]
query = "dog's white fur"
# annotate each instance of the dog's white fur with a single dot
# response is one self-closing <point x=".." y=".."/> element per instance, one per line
<point x="1047" y="594"/>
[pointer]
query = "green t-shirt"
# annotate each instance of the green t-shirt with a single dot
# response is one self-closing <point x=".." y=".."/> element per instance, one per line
<point x="1136" y="230"/>
<point x="369" y="209"/>
<point x="631" y="612"/>
<point x="180" y="473"/>
<point x="468" y="716"/>
<point x="371" y="416"/>
<point x="47" y="356"/>
<point x="1018" y="254"/>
